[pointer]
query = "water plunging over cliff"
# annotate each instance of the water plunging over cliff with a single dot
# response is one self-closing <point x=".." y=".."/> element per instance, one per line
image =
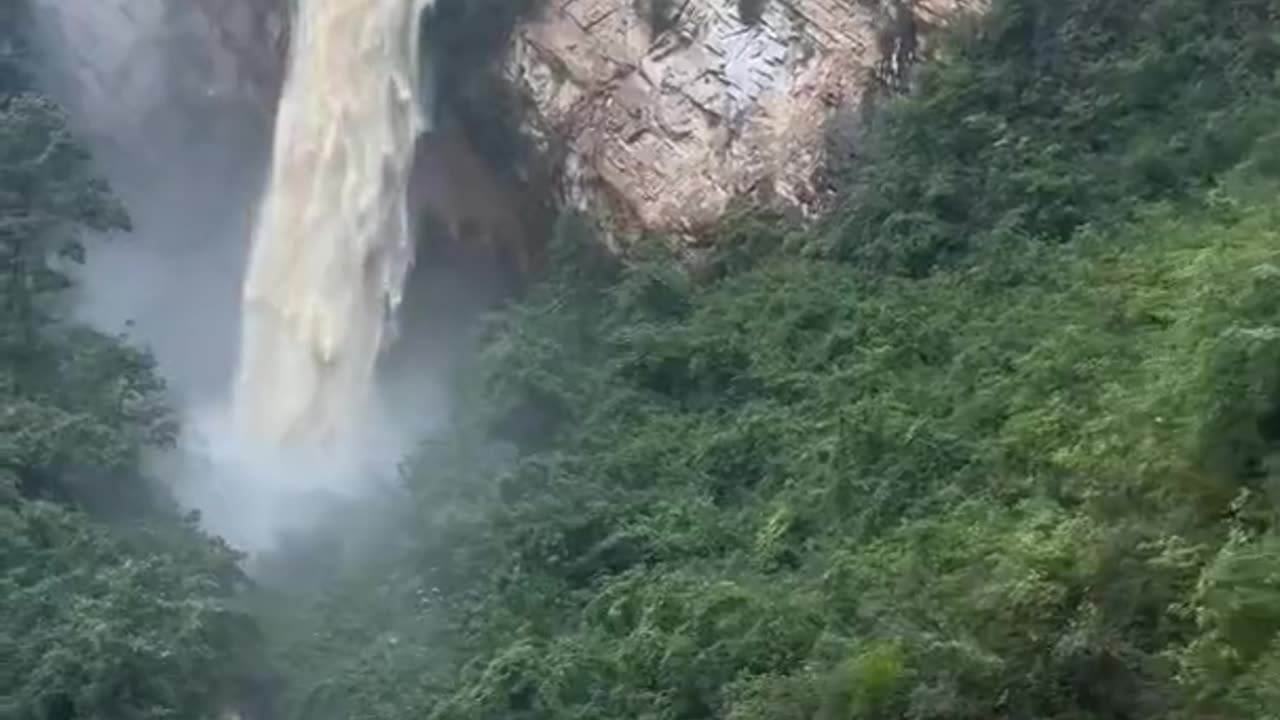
<point x="332" y="245"/>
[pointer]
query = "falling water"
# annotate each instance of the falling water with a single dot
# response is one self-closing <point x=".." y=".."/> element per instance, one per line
<point x="332" y="243"/>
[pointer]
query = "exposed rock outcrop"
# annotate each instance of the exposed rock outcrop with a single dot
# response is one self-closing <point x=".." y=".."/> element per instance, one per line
<point x="666" y="111"/>
<point x="656" y="114"/>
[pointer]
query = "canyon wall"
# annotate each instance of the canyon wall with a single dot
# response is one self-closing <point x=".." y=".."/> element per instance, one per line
<point x="664" y="112"/>
<point x="658" y="115"/>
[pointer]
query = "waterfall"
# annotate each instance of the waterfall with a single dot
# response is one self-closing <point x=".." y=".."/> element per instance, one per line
<point x="332" y="245"/>
<point x="265" y="283"/>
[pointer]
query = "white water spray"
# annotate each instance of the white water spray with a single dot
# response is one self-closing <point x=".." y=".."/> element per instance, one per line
<point x="170" y="110"/>
<point x="332" y="245"/>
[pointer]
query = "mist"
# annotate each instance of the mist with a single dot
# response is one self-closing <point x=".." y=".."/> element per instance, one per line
<point x="181" y="128"/>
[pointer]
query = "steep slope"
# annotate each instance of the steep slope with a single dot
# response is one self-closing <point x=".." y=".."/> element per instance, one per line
<point x="656" y="113"/>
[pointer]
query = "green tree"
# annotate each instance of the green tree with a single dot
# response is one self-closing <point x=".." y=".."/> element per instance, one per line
<point x="94" y="625"/>
<point x="110" y="604"/>
<point x="998" y="439"/>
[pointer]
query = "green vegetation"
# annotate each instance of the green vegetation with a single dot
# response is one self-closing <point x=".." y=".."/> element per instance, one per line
<point x="111" y="605"/>
<point x="802" y="490"/>
<point x="999" y="439"/>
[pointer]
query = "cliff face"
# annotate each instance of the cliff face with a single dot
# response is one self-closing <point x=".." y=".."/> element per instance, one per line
<point x="150" y="78"/>
<point x="656" y="114"/>
<point x="666" y="111"/>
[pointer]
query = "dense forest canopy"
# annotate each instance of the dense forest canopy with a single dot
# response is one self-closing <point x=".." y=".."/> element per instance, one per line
<point x="1000" y="437"/>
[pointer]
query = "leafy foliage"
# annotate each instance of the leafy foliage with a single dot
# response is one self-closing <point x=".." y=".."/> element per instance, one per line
<point x="1060" y="114"/>
<point x="77" y="403"/>
<point x="872" y="497"/>
<point x="110" y="605"/>
<point x="1030" y="472"/>
<point x="1000" y="439"/>
<point x="96" y="626"/>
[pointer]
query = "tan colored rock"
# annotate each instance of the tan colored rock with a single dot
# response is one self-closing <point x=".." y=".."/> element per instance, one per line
<point x="664" y="130"/>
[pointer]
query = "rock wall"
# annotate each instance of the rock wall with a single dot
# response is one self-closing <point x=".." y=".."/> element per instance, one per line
<point x="655" y="114"/>
<point x="667" y="111"/>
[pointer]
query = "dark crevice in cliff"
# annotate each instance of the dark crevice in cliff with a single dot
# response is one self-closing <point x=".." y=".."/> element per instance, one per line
<point x="486" y="196"/>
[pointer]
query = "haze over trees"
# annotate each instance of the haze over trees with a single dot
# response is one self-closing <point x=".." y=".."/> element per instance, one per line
<point x="111" y="603"/>
<point x="996" y="438"/>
